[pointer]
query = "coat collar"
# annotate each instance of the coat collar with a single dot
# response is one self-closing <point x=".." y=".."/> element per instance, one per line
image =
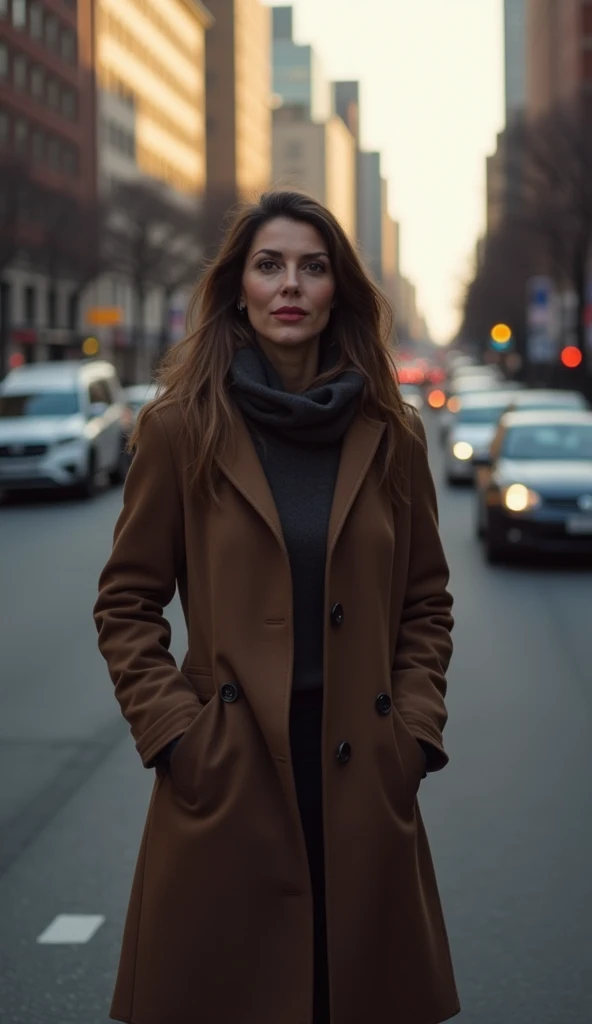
<point x="242" y="467"/>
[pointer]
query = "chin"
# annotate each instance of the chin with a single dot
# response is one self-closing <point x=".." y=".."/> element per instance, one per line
<point x="289" y="336"/>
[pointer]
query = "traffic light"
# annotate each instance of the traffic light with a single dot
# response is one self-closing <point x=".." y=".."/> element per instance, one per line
<point x="501" y="336"/>
<point x="571" y="357"/>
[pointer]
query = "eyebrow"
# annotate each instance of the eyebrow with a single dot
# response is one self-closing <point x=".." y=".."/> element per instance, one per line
<point x="279" y="255"/>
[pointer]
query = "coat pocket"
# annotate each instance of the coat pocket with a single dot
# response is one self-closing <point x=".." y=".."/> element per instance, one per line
<point x="186" y="758"/>
<point x="411" y="755"/>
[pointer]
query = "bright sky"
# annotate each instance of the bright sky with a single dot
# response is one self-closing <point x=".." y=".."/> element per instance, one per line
<point x="431" y="74"/>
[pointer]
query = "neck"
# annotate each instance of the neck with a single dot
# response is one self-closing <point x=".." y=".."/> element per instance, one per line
<point x="297" y="365"/>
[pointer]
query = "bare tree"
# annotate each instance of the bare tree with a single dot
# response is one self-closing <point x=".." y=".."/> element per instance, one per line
<point x="20" y="233"/>
<point x="559" y="198"/>
<point x="152" y="239"/>
<point x="497" y="291"/>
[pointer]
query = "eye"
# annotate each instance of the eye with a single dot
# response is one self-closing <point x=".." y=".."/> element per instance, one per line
<point x="316" y="268"/>
<point x="266" y="265"/>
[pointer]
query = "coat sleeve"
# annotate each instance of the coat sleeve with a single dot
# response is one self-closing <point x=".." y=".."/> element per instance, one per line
<point x="424" y="646"/>
<point x="137" y="583"/>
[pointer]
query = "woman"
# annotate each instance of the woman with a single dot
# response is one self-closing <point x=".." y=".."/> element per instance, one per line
<point x="279" y="481"/>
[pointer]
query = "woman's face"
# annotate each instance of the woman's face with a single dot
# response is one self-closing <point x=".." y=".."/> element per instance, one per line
<point x="288" y="284"/>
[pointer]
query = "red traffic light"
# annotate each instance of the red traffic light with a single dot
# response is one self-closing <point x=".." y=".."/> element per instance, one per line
<point x="571" y="357"/>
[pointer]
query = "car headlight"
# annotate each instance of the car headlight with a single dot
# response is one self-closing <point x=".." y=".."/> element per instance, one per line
<point x="463" y="451"/>
<point x="67" y="440"/>
<point x="520" y="498"/>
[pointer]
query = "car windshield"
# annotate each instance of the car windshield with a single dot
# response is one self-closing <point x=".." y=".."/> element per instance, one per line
<point x="487" y="415"/>
<point x="549" y="441"/>
<point x="42" y="403"/>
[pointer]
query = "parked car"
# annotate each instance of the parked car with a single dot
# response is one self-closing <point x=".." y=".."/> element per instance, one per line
<point x="62" y="424"/>
<point x="471" y="386"/>
<point x="471" y="433"/>
<point x="547" y="398"/>
<point x="535" y="487"/>
<point x="138" y="395"/>
<point x="412" y="395"/>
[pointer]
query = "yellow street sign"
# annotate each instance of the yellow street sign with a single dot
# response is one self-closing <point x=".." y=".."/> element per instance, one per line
<point x="104" y="316"/>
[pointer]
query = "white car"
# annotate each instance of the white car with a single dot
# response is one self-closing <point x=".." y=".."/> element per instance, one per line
<point x="472" y="432"/>
<point x="412" y="395"/>
<point x="138" y="395"/>
<point x="62" y="424"/>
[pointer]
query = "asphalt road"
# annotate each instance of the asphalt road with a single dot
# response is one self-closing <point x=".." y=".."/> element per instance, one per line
<point x="510" y="820"/>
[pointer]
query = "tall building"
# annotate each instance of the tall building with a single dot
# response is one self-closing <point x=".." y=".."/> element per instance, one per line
<point x="152" y="57"/>
<point x="515" y="57"/>
<point x="47" y="105"/>
<point x="389" y="254"/>
<point x="370" y="200"/>
<point x="559" y="53"/>
<point x="238" y="72"/>
<point x="346" y="104"/>
<point x="298" y="79"/>
<point x="318" y="157"/>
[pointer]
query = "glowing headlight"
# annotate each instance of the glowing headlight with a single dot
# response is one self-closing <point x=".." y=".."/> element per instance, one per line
<point x="453" y="404"/>
<point x="463" y="451"/>
<point x="519" y="498"/>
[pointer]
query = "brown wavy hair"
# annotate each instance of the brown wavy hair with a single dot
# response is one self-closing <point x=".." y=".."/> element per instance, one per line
<point x="194" y="374"/>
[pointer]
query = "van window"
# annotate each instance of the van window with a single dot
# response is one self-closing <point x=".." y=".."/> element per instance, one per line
<point x="99" y="392"/>
<point x="45" y="403"/>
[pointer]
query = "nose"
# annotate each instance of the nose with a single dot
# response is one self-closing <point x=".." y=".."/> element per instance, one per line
<point x="291" y="284"/>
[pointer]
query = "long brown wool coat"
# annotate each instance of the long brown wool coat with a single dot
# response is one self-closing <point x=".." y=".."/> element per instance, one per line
<point x="219" y="927"/>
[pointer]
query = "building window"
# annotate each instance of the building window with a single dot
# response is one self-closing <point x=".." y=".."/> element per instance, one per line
<point x="4" y="129"/>
<point x="38" y="146"/>
<point x="3" y="60"/>
<point x="53" y="154"/>
<point x="68" y="104"/>
<point x="53" y="94"/>
<point x="21" y="136"/>
<point x="52" y="308"/>
<point x="19" y="13"/>
<point x="30" y="305"/>
<point x="37" y="83"/>
<point x="19" y="72"/>
<point x="51" y="31"/>
<point x="68" y="45"/>
<point x="70" y="161"/>
<point x="36" y="20"/>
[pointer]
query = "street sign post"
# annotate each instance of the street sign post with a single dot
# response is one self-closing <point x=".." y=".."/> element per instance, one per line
<point x="104" y="316"/>
<point x="542" y="343"/>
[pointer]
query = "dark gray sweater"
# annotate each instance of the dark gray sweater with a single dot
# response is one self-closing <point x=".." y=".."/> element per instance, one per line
<point x="298" y="439"/>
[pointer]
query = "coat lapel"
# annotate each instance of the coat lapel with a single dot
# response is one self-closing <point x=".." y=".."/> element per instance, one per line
<point x="359" y="448"/>
<point x="242" y="466"/>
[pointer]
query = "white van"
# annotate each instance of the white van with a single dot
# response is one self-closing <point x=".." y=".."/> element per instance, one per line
<point x="62" y="424"/>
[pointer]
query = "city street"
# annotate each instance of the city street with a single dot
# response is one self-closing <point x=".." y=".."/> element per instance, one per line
<point x="510" y="819"/>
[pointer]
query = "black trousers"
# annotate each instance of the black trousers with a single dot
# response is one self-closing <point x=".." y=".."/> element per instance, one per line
<point x="305" y="738"/>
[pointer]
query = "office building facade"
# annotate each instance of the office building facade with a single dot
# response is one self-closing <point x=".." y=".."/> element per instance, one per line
<point x="318" y="158"/>
<point x="152" y="56"/>
<point x="238" y="70"/>
<point x="298" y="79"/>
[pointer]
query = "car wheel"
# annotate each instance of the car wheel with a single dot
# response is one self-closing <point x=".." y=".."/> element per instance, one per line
<point x="87" y="488"/>
<point x="495" y="550"/>
<point x="480" y="530"/>
<point x="119" y="472"/>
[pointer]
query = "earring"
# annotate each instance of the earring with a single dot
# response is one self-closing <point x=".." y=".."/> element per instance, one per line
<point x="240" y="306"/>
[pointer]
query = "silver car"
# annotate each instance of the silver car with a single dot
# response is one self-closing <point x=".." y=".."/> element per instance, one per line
<point x="472" y="432"/>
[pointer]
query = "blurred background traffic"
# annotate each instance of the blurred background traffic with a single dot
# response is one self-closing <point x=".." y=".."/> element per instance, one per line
<point x="453" y="140"/>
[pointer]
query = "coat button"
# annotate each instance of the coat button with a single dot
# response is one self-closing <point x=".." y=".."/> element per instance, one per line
<point x="383" y="704"/>
<point x="337" y="615"/>
<point x="229" y="693"/>
<point x="343" y="753"/>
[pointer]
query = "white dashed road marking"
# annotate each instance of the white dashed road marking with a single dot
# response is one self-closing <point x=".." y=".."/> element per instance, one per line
<point x="67" y="929"/>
